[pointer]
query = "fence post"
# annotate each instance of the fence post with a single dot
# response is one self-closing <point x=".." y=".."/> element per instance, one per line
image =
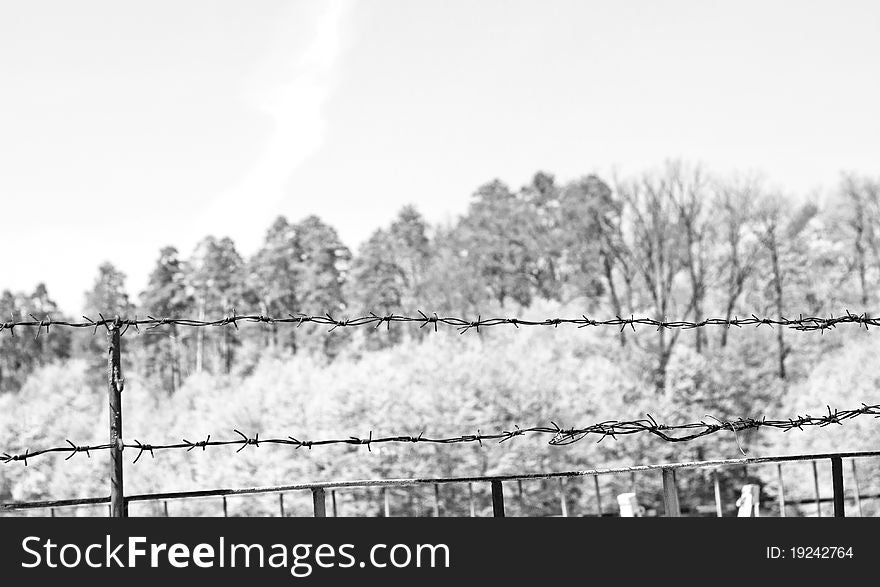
<point x="387" y="501"/>
<point x="816" y="487"/>
<point x="563" y="505"/>
<point x="781" y="490"/>
<point x="837" y="485"/>
<point x="856" y="487"/>
<point x="718" y="509"/>
<point x="281" y="503"/>
<point x="598" y="494"/>
<point x="225" y="511"/>
<point x="114" y="389"/>
<point x="333" y="500"/>
<point x="436" y="500"/>
<point x="670" y="494"/>
<point x="497" y="499"/>
<point x="319" y="502"/>
<point x="471" y="499"/>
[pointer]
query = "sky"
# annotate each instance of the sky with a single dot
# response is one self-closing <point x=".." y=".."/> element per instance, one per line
<point x="125" y="127"/>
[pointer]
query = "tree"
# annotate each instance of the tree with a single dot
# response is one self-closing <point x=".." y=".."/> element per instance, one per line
<point x="735" y="205"/>
<point x="410" y="250"/>
<point x="106" y="298"/>
<point x="166" y="296"/>
<point x="378" y="284"/>
<point x="217" y="285"/>
<point x="496" y="242"/>
<point x="323" y="266"/>
<point x="276" y="272"/>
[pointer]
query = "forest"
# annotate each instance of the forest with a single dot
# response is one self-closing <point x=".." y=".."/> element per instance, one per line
<point x="676" y="242"/>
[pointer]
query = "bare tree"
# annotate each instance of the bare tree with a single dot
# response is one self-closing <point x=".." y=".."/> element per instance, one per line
<point x="658" y="251"/>
<point x="736" y="215"/>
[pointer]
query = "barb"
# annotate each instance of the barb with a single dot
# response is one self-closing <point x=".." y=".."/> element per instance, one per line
<point x="559" y="436"/>
<point x="463" y="325"/>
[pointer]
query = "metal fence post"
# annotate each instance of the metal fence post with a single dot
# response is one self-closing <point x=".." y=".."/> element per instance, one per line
<point x="319" y="502"/>
<point x="856" y="487"/>
<point x="471" y="499"/>
<point x="816" y="487"/>
<point x="562" y="504"/>
<point x="598" y="494"/>
<point x="719" y="511"/>
<point x="114" y="388"/>
<point x="497" y="499"/>
<point x="781" y="490"/>
<point x="281" y="504"/>
<point x="670" y="494"/>
<point x="387" y="501"/>
<point x="837" y="485"/>
<point x="333" y="500"/>
<point x="436" y="500"/>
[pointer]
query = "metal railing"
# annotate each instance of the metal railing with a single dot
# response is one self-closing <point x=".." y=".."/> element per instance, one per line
<point x="668" y="473"/>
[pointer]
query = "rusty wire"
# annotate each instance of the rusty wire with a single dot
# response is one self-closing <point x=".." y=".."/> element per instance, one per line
<point x="802" y="323"/>
<point x="559" y="435"/>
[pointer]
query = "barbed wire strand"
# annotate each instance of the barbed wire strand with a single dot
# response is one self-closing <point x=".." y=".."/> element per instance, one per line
<point x="559" y="436"/>
<point x="802" y="323"/>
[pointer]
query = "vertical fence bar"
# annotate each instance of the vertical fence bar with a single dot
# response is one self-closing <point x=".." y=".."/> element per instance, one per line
<point x="598" y="494"/>
<point x="670" y="494"/>
<point x="225" y="511"/>
<point x="521" y="499"/>
<point x="281" y="504"/>
<point x="114" y="389"/>
<point x="320" y="502"/>
<point x="837" y="486"/>
<point x="471" y="499"/>
<point x="781" y="490"/>
<point x="497" y="499"/>
<point x="333" y="500"/>
<point x="632" y="482"/>
<point x="51" y="512"/>
<point x="718" y="509"/>
<point x="816" y="487"/>
<point x="436" y="500"/>
<point x="856" y="487"/>
<point x="165" y="508"/>
<point x="387" y="502"/>
<point x="562" y="504"/>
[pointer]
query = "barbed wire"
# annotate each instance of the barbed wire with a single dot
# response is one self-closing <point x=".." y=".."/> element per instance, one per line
<point x="559" y="436"/>
<point x="802" y="323"/>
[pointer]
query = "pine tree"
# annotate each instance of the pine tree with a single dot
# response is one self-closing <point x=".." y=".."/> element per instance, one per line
<point x="165" y="296"/>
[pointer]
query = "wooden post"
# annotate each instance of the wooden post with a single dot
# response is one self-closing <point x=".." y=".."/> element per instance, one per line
<point x="497" y="499"/>
<point x="333" y="500"/>
<point x="320" y="502"/>
<point x="281" y="503"/>
<point x="387" y="501"/>
<point x="563" y="505"/>
<point x="598" y="494"/>
<point x="471" y="499"/>
<point x="856" y="487"/>
<point x="225" y="511"/>
<point x="718" y="509"/>
<point x="114" y="389"/>
<point x="436" y="500"/>
<point x="670" y="494"/>
<point x="816" y="487"/>
<point x="781" y="490"/>
<point x="837" y="486"/>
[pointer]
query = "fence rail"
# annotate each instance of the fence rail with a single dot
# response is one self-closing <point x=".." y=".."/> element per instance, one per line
<point x="667" y="471"/>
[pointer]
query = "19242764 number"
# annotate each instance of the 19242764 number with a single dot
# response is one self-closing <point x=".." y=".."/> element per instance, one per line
<point x="805" y="552"/>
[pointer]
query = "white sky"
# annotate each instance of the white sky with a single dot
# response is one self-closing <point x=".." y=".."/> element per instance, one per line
<point x="125" y="127"/>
